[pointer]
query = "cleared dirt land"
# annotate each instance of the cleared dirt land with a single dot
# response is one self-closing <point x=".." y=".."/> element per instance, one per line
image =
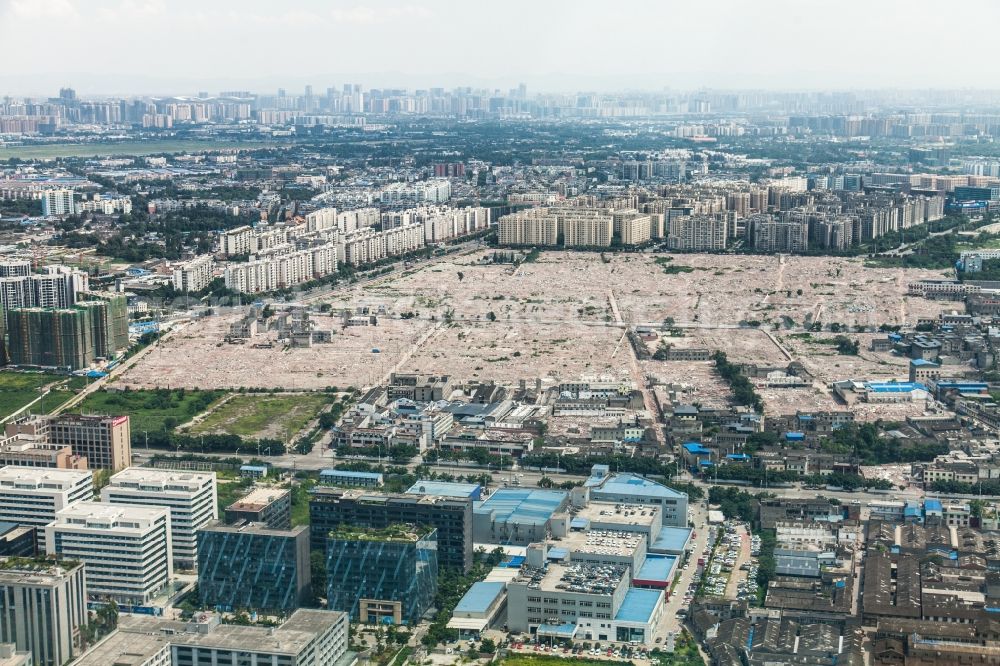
<point x="552" y="319"/>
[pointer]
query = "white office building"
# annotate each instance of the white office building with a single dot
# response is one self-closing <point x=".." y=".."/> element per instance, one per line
<point x="33" y="496"/>
<point x="126" y="550"/>
<point x="191" y="498"/>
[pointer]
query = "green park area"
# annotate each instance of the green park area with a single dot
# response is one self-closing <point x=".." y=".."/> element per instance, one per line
<point x="277" y="416"/>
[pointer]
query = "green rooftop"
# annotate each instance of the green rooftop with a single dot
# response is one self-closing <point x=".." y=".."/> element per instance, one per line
<point x="397" y="532"/>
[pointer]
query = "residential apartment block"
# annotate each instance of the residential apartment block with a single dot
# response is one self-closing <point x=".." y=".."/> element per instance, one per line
<point x="194" y="275"/>
<point x="281" y="268"/>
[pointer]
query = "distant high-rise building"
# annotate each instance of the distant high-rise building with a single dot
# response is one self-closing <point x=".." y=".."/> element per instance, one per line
<point x="530" y="228"/>
<point x="699" y="233"/>
<point x="771" y="235"/>
<point x="58" y="202"/>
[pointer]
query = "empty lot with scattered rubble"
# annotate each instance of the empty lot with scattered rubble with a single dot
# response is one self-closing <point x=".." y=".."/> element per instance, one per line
<point x="563" y="317"/>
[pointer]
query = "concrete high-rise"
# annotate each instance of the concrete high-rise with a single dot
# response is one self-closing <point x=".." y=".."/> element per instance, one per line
<point x="43" y="606"/>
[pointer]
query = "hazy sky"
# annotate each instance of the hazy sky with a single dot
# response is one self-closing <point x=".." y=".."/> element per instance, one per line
<point x="184" y="46"/>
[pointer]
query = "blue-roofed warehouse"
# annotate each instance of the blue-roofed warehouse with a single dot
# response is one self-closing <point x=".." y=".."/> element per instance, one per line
<point x="479" y="608"/>
<point x="518" y="516"/>
<point x="446" y="489"/>
<point x="656" y="572"/>
<point x="634" y="489"/>
<point x="671" y="540"/>
<point x="638" y="615"/>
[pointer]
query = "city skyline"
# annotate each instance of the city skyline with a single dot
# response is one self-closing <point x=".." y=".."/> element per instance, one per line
<point x="562" y="47"/>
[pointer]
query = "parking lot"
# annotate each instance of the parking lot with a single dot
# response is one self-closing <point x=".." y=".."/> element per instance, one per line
<point x="731" y="570"/>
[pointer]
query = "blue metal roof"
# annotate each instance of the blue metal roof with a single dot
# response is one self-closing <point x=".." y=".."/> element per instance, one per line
<point x="933" y="505"/>
<point x="579" y="524"/>
<point x="894" y="387"/>
<point x="445" y="489"/>
<point x="737" y="456"/>
<point x="695" y="448"/>
<point x="671" y="539"/>
<point x="253" y="468"/>
<point x="558" y="553"/>
<point x="966" y="386"/>
<point x="630" y="484"/>
<point x="657" y="567"/>
<point x="922" y="362"/>
<point x="513" y="562"/>
<point x="480" y="597"/>
<point x="533" y="507"/>
<point x="567" y="630"/>
<point x="347" y="474"/>
<point x="795" y="436"/>
<point x="638" y="605"/>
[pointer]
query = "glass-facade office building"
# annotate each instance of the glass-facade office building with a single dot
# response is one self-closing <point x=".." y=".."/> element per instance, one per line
<point x="253" y="567"/>
<point x="384" y="576"/>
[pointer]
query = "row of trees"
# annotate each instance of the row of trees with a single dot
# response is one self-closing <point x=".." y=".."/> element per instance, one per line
<point x="743" y="390"/>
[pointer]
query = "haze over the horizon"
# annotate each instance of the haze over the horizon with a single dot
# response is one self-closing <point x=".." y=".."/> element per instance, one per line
<point x="183" y="46"/>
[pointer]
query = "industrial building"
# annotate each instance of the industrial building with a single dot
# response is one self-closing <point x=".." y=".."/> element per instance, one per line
<point x="253" y="566"/>
<point x="382" y="576"/>
<point x="632" y="489"/>
<point x="521" y="516"/>
<point x="190" y="496"/>
<point x="581" y="601"/>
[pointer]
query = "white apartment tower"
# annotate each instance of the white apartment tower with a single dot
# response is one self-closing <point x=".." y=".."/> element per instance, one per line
<point x="194" y="275"/>
<point x="58" y="202"/>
